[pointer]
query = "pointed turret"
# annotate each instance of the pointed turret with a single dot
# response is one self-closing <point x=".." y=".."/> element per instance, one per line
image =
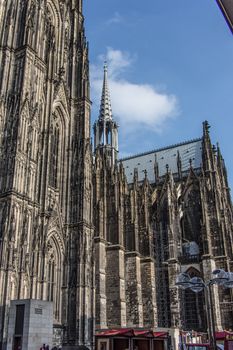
<point x="156" y="170"/>
<point x="207" y="151"/>
<point x="179" y="165"/>
<point x="105" y="107"/>
<point x="105" y="128"/>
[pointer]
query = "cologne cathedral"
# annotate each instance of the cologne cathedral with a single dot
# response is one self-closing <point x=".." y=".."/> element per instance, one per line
<point x="103" y="238"/>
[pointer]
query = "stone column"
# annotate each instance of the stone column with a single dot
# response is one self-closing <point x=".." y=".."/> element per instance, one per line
<point x="133" y="288"/>
<point x="209" y="265"/>
<point x="173" y="271"/>
<point x="100" y="282"/>
<point x="115" y="286"/>
<point x="148" y="292"/>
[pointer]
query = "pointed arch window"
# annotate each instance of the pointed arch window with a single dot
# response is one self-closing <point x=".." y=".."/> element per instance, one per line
<point x="54" y="276"/>
<point x="51" y="273"/>
<point x="191" y="222"/>
<point x="54" y="156"/>
<point x="49" y="35"/>
<point x="193" y="312"/>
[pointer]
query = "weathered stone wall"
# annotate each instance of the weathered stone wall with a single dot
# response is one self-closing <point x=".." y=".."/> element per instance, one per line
<point x="115" y="287"/>
<point x="148" y="292"/>
<point x="134" y="307"/>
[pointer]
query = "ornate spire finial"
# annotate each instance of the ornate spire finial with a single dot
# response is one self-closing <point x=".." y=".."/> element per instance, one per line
<point x="106" y="129"/>
<point x="156" y="169"/>
<point x="219" y="151"/>
<point x="105" y="66"/>
<point x="206" y="128"/>
<point x="179" y="165"/>
<point x="135" y="174"/>
<point x="105" y="107"/>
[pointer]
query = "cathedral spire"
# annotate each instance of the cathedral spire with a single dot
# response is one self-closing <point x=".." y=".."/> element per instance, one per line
<point x="105" y="128"/>
<point x="105" y="107"/>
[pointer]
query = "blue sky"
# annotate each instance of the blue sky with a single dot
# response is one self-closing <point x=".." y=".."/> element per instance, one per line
<point x="170" y="68"/>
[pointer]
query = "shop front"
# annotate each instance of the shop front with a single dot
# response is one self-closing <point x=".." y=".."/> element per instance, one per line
<point x="225" y="338"/>
<point x="131" y="339"/>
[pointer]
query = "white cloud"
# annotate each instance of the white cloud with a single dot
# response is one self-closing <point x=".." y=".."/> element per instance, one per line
<point x="116" y="18"/>
<point x="134" y="105"/>
<point x="117" y="61"/>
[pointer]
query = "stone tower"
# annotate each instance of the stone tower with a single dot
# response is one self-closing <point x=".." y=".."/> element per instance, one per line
<point x="125" y="270"/>
<point x="45" y="185"/>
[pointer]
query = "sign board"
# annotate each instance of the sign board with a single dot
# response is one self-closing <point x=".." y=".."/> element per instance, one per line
<point x="226" y="7"/>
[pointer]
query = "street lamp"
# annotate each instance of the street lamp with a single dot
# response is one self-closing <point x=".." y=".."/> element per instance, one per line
<point x="183" y="281"/>
<point x="229" y="282"/>
<point x="220" y="277"/>
<point x="196" y="284"/>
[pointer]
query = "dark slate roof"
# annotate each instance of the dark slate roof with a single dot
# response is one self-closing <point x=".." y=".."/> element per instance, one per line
<point x="165" y="156"/>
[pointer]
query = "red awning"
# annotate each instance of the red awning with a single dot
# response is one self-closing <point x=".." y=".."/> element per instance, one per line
<point x="130" y="332"/>
<point x="143" y="333"/>
<point x="127" y="332"/>
<point x="161" y="334"/>
<point x="222" y="335"/>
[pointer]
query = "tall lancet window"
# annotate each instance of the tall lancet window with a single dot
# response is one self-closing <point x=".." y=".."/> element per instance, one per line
<point x="54" y="263"/>
<point x="54" y="156"/>
<point x="193" y="311"/>
<point x="51" y="272"/>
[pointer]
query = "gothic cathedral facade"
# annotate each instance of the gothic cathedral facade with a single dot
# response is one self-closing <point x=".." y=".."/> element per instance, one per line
<point x="46" y="164"/>
<point x="102" y="238"/>
<point x="158" y="214"/>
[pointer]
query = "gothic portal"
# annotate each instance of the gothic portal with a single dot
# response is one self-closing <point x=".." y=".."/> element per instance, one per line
<point x="46" y="164"/>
